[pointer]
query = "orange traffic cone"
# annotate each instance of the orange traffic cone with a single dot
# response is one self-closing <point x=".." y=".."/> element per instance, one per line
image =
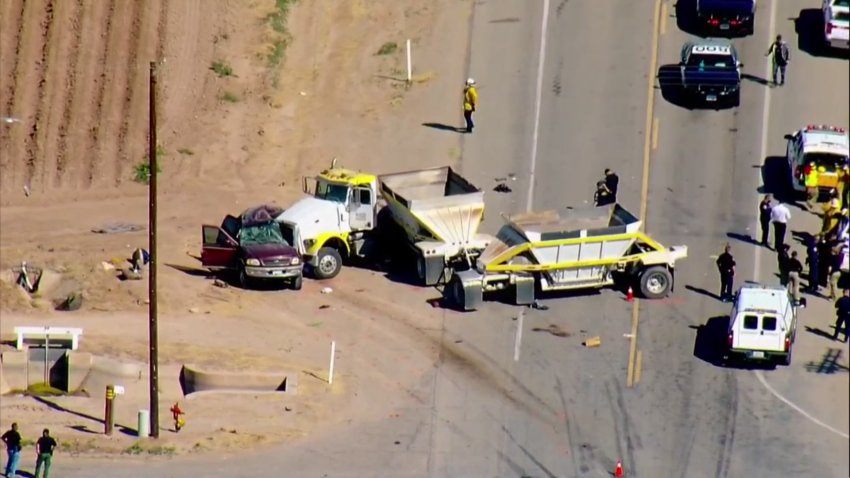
<point x="630" y="295"/>
<point x="618" y="471"/>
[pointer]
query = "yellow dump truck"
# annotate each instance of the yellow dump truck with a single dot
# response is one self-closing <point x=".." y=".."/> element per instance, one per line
<point x="435" y="213"/>
<point x="566" y="249"/>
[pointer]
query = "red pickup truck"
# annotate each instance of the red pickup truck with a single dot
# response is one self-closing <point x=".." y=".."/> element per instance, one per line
<point x="254" y="247"/>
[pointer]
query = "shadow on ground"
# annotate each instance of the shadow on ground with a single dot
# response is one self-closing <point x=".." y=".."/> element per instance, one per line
<point x="704" y="292"/>
<point x="776" y="179"/>
<point x="710" y="345"/>
<point x="809" y="28"/>
<point x="828" y="364"/>
<point x="444" y="127"/>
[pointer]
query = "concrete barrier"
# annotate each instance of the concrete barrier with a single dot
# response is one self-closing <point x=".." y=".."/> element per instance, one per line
<point x="15" y="369"/>
<point x="193" y="380"/>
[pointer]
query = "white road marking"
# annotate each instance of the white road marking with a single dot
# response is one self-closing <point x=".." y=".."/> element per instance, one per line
<point x="797" y="408"/>
<point x="529" y="200"/>
<point x="541" y="60"/>
<point x="765" y="118"/>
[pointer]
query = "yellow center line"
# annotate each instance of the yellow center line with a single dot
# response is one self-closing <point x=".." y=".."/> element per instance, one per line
<point x="655" y="133"/>
<point x="644" y="189"/>
<point x="663" y="19"/>
<point x="637" y="366"/>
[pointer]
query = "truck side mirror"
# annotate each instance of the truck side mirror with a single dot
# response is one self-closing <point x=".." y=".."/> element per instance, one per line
<point x="789" y="137"/>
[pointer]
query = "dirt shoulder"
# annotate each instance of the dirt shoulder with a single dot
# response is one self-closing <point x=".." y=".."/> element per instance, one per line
<point x="250" y="100"/>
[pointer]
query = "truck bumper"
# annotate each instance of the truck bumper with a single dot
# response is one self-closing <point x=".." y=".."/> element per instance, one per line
<point x="758" y="355"/>
<point x="259" y="272"/>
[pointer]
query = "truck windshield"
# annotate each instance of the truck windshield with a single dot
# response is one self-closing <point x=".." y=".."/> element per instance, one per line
<point x="268" y="233"/>
<point x="332" y="192"/>
<point x="831" y="162"/>
<point x="708" y="61"/>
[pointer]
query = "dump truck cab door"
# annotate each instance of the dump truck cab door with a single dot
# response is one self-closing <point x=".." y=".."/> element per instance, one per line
<point x="361" y="208"/>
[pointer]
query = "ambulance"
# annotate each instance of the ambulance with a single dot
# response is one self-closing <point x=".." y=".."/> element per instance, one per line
<point x="762" y="324"/>
<point x="818" y="146"/>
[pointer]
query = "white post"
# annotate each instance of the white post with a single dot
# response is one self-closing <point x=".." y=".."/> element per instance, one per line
<point x="518" y="340"/>
<point x="331" y="368"/>
<point x="409" y="64"/>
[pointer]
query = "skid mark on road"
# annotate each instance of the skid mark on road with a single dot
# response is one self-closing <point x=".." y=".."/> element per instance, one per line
<point x="799" y="409"/>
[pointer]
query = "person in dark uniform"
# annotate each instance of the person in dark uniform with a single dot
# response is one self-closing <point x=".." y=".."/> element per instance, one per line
<point x="765" y="207"/>
<point x="842" y="315"/>
<point x="824" y="261"/>
<point x="726" y="267"/>
<point x="813" y="262"/>
<point x="612" y="182"/>
<point x="782" y="261"/>
<point x="603" y="195"/>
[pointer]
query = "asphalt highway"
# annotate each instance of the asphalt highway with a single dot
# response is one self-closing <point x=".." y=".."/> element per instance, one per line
<point x="655" y="400"/>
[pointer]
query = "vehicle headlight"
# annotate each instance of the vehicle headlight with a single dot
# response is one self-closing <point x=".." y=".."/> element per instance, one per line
<point x="295" y="261"/>
<point x="308" y="243"/>
<point x="252" y="262"/>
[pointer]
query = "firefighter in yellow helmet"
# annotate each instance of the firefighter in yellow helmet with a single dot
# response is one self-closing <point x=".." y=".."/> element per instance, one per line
<point x="470" y="103"/>
<point x="811" y="178"/>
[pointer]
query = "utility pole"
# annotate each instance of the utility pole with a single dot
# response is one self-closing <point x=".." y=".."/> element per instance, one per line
<point x="152" y="312"/>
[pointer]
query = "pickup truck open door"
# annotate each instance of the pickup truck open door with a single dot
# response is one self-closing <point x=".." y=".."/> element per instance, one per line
<point x="219" y="245"/>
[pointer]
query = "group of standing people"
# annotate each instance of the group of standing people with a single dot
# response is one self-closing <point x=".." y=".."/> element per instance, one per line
<point x="44" y="448"/>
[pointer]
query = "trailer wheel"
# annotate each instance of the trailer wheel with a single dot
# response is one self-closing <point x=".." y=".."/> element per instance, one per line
<point x="328" y="263"/>
<point x="297" y="283"/>
<point x="656" y="282"/>
<point x="455" y="293"/>
<point x="421" y="269"/>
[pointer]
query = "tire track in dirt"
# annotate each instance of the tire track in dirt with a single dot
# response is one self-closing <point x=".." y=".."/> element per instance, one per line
<point x="132" y="68"/>
<point x="69" y="92"/>
<point x="11" y="43"/>
<point x="93" y="152"/>
<point x="73" y="167"/>
<point x="34" y="145"/>
<point x="63" y="50"/>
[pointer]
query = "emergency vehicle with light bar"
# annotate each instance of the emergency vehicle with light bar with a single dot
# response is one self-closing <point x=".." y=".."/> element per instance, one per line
<point x="762" y="324"/>
<point x="818" y="146"/>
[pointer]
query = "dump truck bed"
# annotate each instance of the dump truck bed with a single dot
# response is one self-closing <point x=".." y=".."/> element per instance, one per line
<point x="443" y="203"/>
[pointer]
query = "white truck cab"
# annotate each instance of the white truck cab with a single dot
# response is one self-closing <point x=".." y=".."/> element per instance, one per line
<point x="762" y="324"/>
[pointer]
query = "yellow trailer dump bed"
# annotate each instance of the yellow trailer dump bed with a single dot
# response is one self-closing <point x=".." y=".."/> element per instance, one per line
<point x="440" y="213"/>
<point x="567" y="249"/>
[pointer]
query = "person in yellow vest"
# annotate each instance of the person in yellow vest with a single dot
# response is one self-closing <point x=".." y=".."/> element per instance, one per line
<point x="841" y="187"/>
<point x="470" y="103"/>
<point x="812" y="176"/>
<point x="831" y="216"/>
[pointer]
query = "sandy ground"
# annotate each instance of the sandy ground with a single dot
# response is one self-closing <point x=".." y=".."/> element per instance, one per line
<point x="74" y="76"/>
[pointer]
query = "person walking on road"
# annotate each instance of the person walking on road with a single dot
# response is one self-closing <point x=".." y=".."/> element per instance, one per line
<point x="176" y="413"/>
<point x="794" y="268"/>
<point x="765" y="207"/>
<point x="781" y="57"/>
<point x="612" y="182"/>
<point x="838" y="253"/>
<point x="813" y="262"/>
<point x="726" y="267"/>
<point x="12" y="439"/>
<point x="470" y="103"/>
<point x="779" y="216"/>
<point x="782" y="260"/>
<point x="842" y="315"/>
<point x="44" y="450"/>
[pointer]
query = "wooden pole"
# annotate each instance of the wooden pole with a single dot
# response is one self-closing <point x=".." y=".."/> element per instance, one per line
<point x="152" y="310"/>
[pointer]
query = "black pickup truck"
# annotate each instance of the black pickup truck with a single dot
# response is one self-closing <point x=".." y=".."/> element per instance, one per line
<point x="711" y="72"/>
<point x="727" y="16"/>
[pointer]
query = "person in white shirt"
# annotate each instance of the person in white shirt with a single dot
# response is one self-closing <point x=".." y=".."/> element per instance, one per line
<point x="779" y="216"/>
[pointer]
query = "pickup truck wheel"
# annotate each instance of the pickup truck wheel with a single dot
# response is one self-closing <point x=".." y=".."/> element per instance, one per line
<point x="656" y="282"/>
<point x="736" y="99"/>
<point x="787" y="359"/>
<point x="244" y="280"/>
<point x="328" y="263"/>
<point x="297" y="283"/>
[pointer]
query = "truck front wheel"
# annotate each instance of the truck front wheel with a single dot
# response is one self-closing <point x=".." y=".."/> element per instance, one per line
<point x="297" y="283"/>
<point x="328" y="263"/>
<point x="656" y="282"/>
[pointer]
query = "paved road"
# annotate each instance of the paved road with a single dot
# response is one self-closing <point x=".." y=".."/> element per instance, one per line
<point x="562" y="410"/>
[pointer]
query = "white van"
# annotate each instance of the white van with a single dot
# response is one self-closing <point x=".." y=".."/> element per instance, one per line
<point x="763" y="324"/>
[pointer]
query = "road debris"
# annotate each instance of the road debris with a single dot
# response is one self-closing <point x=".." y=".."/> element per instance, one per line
<point x="220" y="283"/>
<point x="326" y="290"/>
<point x="502" y="188"/>
<point x="554" y="330"/>
<point x="592" y="342"/>
<point x="538" y="306"/>
<point x="324" y="306"/>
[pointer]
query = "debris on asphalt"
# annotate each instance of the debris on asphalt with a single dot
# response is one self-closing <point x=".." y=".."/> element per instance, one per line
<point x="538" y="306"/>
<point x="554" y="330"/>
<point x="326" y="290"/>
<point x="324" y="306"/>
<point x="220" y="283"/>
<point x="502" y="188"/>
<point x="592" y="342"/>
